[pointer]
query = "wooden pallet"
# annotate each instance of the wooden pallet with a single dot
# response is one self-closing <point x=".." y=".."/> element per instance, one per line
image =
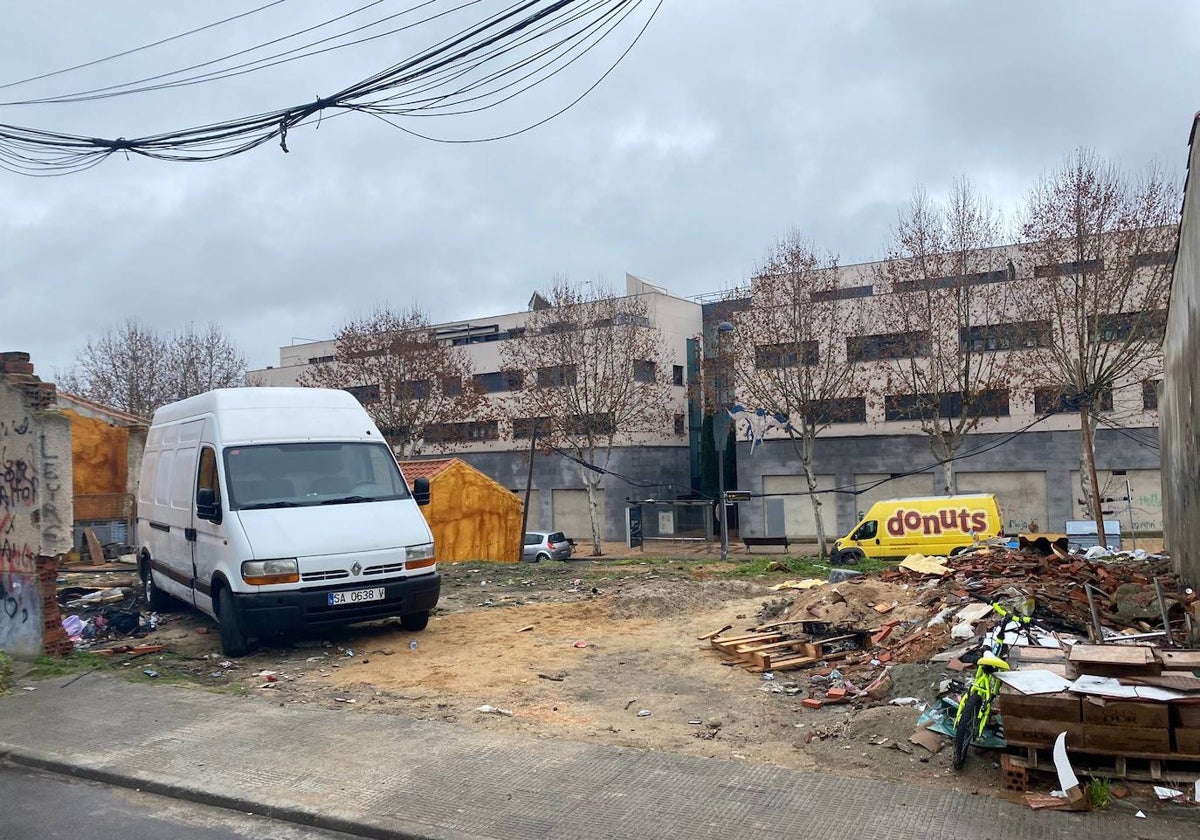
<point x="1143" y="767"/>
<point x="758" y="652"/>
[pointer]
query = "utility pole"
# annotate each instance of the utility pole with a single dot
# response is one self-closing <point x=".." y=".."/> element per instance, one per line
<point x="721" y="422"/>
<point x="528" y="488"/>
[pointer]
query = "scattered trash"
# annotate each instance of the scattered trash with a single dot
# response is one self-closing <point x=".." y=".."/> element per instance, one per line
<point x="29" y="688"/>
<point x="150" y="672"/>
<point x="492" y="710"/>
<point x="553" y="677"/>
<point x="1167" y="794"/>
<point x="695" y="722"/>
<point x="643" y="713"/>
<point x="525" y="629"/>
<point x="580" y="644"/>
<point x="412" y="645"/>
<point x="768" y="676"/>
<point x="1140" y="815"/>
<point x="344" y="700"/>
<point x="349" y="652"/>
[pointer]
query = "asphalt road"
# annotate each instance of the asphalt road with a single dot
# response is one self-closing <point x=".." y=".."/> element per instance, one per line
<point x="46" y="806"/>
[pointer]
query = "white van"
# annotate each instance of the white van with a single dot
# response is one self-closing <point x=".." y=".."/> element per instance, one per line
<point x="277" y="509"/>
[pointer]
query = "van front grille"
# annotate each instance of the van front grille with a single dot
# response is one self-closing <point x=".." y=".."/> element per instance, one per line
<point x="386" y="569"/>
<point x="326" y="574"/>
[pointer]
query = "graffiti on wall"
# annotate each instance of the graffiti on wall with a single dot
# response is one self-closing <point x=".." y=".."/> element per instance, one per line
<point x="23" y="483"/>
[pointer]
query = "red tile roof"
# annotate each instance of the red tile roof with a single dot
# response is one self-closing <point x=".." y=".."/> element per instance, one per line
<point x="424" y="469"/>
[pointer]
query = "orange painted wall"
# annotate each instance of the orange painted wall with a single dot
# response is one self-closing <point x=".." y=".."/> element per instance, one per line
<point x="99" y="455"/>
<point x="473" y="517"/>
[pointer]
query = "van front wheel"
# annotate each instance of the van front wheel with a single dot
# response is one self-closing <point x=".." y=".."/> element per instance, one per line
<point x="415" y="622"/>
<point x="233" y="637"/>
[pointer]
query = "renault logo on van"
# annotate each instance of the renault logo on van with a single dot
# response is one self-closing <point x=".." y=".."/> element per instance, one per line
<point x="356" y="569"/>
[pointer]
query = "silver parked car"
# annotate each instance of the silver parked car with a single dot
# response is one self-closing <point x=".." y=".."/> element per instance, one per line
<point x="545" y="545"/>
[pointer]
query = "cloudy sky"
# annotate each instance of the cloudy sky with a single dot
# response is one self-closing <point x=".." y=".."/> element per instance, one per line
<point x="729" y="123"/>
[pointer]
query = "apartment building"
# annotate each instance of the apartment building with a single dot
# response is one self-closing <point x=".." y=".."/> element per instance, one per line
<point x="1026" y="446"/>
<point x="497" y="442"/>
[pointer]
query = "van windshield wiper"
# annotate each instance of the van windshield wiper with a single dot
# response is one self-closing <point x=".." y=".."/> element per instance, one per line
<point x="349" y="500"/>
<point x="264" y="505"/>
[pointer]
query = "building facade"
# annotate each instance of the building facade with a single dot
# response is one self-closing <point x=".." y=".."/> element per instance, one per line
<point x="497" y="442"/>
<point x="1025" y="449"/>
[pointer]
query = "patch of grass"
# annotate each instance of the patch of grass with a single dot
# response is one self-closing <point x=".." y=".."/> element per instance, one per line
<point x="640" y="561"/>
<point x="46" y="667"/>
<point x="1099" y="793"/>
<point x="5" y="673"/>
<point x="761" y="565"/>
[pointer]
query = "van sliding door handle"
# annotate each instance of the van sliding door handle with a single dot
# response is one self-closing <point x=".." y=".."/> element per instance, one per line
<point x="189" y="534"/>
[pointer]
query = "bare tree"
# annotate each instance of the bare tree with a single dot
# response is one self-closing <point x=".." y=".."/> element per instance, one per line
<point x="202" y="361"/>
<point x="408" y="381"/>
<point x="950" y="283"/>
<point x="801" y="372"/>
<point x="136" y="369"/>
<point x="1102" y="243"/>
<point x="597" y="373"/>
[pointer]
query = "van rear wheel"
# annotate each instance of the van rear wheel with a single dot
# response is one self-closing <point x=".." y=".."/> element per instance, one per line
<point x="415" y="622"/>
<point x="233" y="636"/>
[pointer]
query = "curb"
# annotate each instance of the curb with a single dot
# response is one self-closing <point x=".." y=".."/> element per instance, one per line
<point x="283" y="813"/>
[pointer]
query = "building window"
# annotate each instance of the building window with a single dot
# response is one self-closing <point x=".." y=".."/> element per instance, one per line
<point x="680" y="428"/>
<point x="869" y="348"/>
<point x="644" y="371"/>
<point x="524" y="427"/>
<point x="596" y="424"/>
<point x="1022" y="335"/>
<point x="929" y="284"/>
<point x="320" y="360"/>
<point x="365" y="394"/>
<point x="1064" y="268"/>
<point x="841" y="294"/>
<point x="556" y="376"/>
<point x="1150" y="395"/>
<point x="1152" y="258"/>
<point x="1046" y="400"/>
<point x="769" y="356"/>
<point x="921" y="406"/>
<point x="1136" y="326"/>
<point x="498" y="381"/>
<point x="452" y="386"/>
<point x="677" y="374"/>
<point x="839" y="410"/>
<point x="469" y="432"/>
<point x="413" y="389"/>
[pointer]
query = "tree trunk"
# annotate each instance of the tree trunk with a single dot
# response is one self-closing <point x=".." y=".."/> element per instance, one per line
<point x="818" y="520"/>
<point x="945" y="455"/>
<point x="1089" y="467"/>
<point x="592" y="484"/>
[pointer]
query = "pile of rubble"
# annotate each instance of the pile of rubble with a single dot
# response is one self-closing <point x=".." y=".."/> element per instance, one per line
<point x="845" y="635"/>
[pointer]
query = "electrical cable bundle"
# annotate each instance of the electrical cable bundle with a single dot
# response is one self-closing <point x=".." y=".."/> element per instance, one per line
<point x="478" y="68"/>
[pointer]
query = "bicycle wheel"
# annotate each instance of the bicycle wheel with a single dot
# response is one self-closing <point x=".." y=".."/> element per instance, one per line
<point x="965" y="729"/>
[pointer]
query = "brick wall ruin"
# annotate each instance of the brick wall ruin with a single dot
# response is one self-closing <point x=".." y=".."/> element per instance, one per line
<point x="35" y="509"/>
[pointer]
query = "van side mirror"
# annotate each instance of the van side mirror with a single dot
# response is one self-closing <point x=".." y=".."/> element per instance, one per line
<point x="420" y="490"/>
<point x="206" y="505"/>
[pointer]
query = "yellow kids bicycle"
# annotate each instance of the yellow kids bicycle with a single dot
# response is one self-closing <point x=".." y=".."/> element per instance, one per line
<point x="975" y="707"/>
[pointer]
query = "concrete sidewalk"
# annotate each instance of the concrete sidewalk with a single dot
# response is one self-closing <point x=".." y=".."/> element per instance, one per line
<point x="382" y="776"/>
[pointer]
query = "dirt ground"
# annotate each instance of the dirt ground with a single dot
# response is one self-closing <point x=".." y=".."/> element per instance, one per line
<point x="603" y="651"/>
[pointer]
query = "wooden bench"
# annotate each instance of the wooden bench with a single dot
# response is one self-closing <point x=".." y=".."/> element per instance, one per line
<point x="757" y="541"/>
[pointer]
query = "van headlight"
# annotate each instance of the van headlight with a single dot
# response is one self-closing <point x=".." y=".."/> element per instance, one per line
<point x="419" y="556"/>
<point x="267" y="572"/>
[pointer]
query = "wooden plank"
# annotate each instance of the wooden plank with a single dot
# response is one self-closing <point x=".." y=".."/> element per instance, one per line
<point x="1184" y="660"/>
<point x="714" y="633"/>
<point x="788" y="664"/>
<point x="94" y="550"/>
<point x="1111" y="655"/>
<point x="727" y="641"/>
<point x="763" y="659"/>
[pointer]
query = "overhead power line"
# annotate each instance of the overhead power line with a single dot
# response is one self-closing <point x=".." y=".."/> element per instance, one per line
<point x="143" y="47"/>
<point x="481" y="67"/>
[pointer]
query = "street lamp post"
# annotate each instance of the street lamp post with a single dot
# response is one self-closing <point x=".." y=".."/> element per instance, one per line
<point x="720" y="438"/>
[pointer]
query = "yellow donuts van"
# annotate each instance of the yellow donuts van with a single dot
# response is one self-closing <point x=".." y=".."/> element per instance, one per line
<point x="933" y="525"/>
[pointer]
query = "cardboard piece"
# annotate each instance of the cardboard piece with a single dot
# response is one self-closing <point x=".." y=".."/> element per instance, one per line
<point x="1034" y="681"/>
<point x="926" y="565"/>
<point x="929" y="740"/>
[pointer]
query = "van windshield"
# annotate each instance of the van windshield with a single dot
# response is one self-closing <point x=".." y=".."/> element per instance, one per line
<point x="279" y="475"/>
